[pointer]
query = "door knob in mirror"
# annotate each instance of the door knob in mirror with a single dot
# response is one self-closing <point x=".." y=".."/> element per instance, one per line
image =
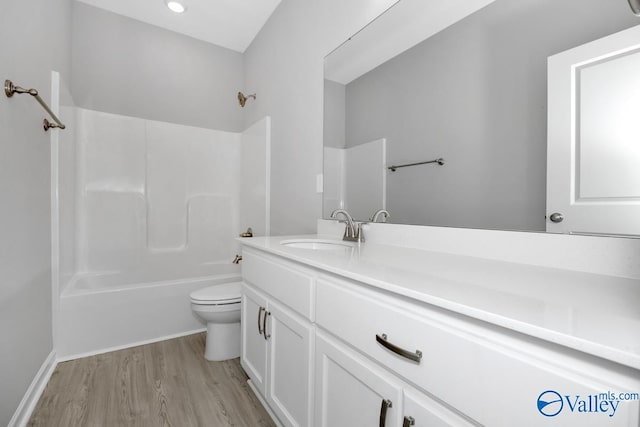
<point x="556" y="217"/>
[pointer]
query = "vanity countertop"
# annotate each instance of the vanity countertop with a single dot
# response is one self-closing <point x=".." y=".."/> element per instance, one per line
<point x="592" y="313"/>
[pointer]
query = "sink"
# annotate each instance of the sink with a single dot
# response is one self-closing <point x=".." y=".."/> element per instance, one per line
<point x="317" y="244"/>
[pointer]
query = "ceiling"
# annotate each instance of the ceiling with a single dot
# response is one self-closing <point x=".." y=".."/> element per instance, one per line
<point x="401" y="27"/>
<point x="228" y="23"/>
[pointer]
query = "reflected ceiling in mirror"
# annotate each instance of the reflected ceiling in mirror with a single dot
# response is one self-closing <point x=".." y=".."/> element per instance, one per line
<point x="466" y="82"/>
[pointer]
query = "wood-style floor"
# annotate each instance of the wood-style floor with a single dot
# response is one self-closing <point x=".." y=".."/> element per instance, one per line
<point x="168" y="383"/>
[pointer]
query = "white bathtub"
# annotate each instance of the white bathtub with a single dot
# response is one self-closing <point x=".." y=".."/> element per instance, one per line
<point x="109" y="311"/>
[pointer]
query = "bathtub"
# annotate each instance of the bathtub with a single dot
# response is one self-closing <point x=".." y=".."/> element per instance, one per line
<point x="110" y="310"/>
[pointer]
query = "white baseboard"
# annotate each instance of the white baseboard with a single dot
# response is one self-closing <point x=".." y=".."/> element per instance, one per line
<point x="134" y="344"/>
<point x="264" y="403"/>
<point x="27" y="405"/>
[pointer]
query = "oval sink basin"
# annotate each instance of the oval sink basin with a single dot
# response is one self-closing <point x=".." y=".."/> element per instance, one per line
<point x="317" y="244"/>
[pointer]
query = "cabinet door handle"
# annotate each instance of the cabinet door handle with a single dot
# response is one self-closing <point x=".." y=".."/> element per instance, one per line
<point x="259" y="316"/>
<point x="264" y="325"/>
<point x="411" y="355"/>
<point x="408" y="422"/>
<point x="386" y="404"/>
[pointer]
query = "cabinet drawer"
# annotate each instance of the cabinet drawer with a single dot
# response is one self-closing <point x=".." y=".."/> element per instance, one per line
<point x="421" y="411"/>
<point x="282" y="280"/>
<point x="491" y="377"/>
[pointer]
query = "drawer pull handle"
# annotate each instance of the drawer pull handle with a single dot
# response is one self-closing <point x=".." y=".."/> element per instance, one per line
<point x="408" y="422"/>
<point x="264" y="325"/>
<point x="386" y="404"/>
<point x="259" y="318"/>
<point x="414" y="356"/>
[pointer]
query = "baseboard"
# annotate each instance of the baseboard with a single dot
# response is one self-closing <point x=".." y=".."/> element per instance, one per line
<point x="264" y="403"/>
<point x="27" y="405"/>
<point x="134" y="344"/>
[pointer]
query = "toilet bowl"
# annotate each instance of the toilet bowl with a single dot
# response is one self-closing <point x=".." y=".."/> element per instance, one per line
<point x="219" y="306"/>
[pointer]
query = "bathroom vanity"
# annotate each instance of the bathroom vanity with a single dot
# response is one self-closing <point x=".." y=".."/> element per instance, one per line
<point x="339" y="334"/>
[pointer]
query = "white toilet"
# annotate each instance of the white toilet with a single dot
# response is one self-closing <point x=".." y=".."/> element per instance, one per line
<point x="219" y="306"/>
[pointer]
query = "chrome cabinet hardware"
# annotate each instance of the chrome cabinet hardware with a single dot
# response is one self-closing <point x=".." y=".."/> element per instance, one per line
<point x="386" y="404"/>
<point x="260" y="310"/>
<point x="409" y="421"/>
<point x="264" y="325"/>
<point x="413" y="356"/>
<point x="556" y="217"/>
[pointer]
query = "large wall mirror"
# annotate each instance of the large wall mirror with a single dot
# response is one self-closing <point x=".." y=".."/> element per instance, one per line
<point x="466" y="81"/>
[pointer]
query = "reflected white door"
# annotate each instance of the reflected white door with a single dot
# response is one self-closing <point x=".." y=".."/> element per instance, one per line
<point x="593" y="153"/>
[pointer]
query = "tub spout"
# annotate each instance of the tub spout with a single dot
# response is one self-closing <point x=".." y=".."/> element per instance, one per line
<point x="237" y="259"/>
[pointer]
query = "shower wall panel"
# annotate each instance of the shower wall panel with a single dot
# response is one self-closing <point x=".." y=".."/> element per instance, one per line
<point x="255" y="181"/>
<point x="152" y="193"/>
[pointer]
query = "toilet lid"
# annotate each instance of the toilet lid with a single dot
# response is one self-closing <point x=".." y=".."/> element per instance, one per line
<point x="226" y="293"/>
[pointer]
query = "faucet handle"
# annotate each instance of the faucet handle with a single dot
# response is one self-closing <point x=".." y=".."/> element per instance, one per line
<point x="248" y="233"/>
<point x="379" y="212"/>
<point x="359" y="237"/>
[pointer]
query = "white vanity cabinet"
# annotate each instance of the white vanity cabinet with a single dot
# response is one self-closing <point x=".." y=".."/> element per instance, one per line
<point x="352" y="391"/>
<point x="253" y="356"/>
<point x="326" y="350"/>
<point x="492" y="376"/>
<point x="277" y="341"/>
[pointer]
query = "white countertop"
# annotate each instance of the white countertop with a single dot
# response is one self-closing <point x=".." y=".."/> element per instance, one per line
<point x="592" y="313"/>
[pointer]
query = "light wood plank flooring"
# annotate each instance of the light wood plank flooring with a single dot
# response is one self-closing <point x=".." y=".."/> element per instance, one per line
<point x="168" y="383"/>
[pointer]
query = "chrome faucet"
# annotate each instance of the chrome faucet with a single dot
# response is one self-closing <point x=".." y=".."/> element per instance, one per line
<point x="380" y="212"/>
<point x="352" y="232"/>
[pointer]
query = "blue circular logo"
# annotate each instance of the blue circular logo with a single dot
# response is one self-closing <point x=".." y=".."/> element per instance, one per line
<point x="550" y="403"/>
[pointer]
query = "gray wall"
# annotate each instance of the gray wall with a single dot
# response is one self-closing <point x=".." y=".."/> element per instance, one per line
<point x="475" y="94"/>
<point x="334" y="131"/>
<point x="128" y="67"/>
<point x="34" y="39"/>
<point x="284" y="65"/>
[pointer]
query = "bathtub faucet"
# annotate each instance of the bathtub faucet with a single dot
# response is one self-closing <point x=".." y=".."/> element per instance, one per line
<point x="237" y="259"/>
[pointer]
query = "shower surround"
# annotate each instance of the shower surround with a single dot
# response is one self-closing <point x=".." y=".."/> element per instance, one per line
<point x="157" y="208"/>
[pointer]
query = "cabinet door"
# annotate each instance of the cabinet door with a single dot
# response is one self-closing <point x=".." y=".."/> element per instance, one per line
<point x="254" y="344"/>
<point x="421" y="411"/>
<point x="351" y="391"/>
<point x="290" y="366"/>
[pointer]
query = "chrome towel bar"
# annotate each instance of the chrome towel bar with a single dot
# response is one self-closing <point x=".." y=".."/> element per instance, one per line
<point x="10" y="89"/>
<point x="439" y="161"/>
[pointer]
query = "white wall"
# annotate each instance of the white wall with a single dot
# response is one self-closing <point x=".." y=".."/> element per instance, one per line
<point x="334" y="132"/>
<point x="284" y="66"/>
<point x="334" y="180"/>
<point x="34" y="39"/>
<point x="366" y="179"/>
<point x="66" y="188"/>
<point x="128" y="67"/>
<point x="255" y="178"/>
<point x="355" y="179"/>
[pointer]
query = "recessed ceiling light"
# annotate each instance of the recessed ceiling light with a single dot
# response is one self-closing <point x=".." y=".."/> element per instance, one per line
<point x="175" y="6"/>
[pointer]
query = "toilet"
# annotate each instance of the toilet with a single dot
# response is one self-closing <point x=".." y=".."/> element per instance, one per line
<point x="219" y="306"/>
